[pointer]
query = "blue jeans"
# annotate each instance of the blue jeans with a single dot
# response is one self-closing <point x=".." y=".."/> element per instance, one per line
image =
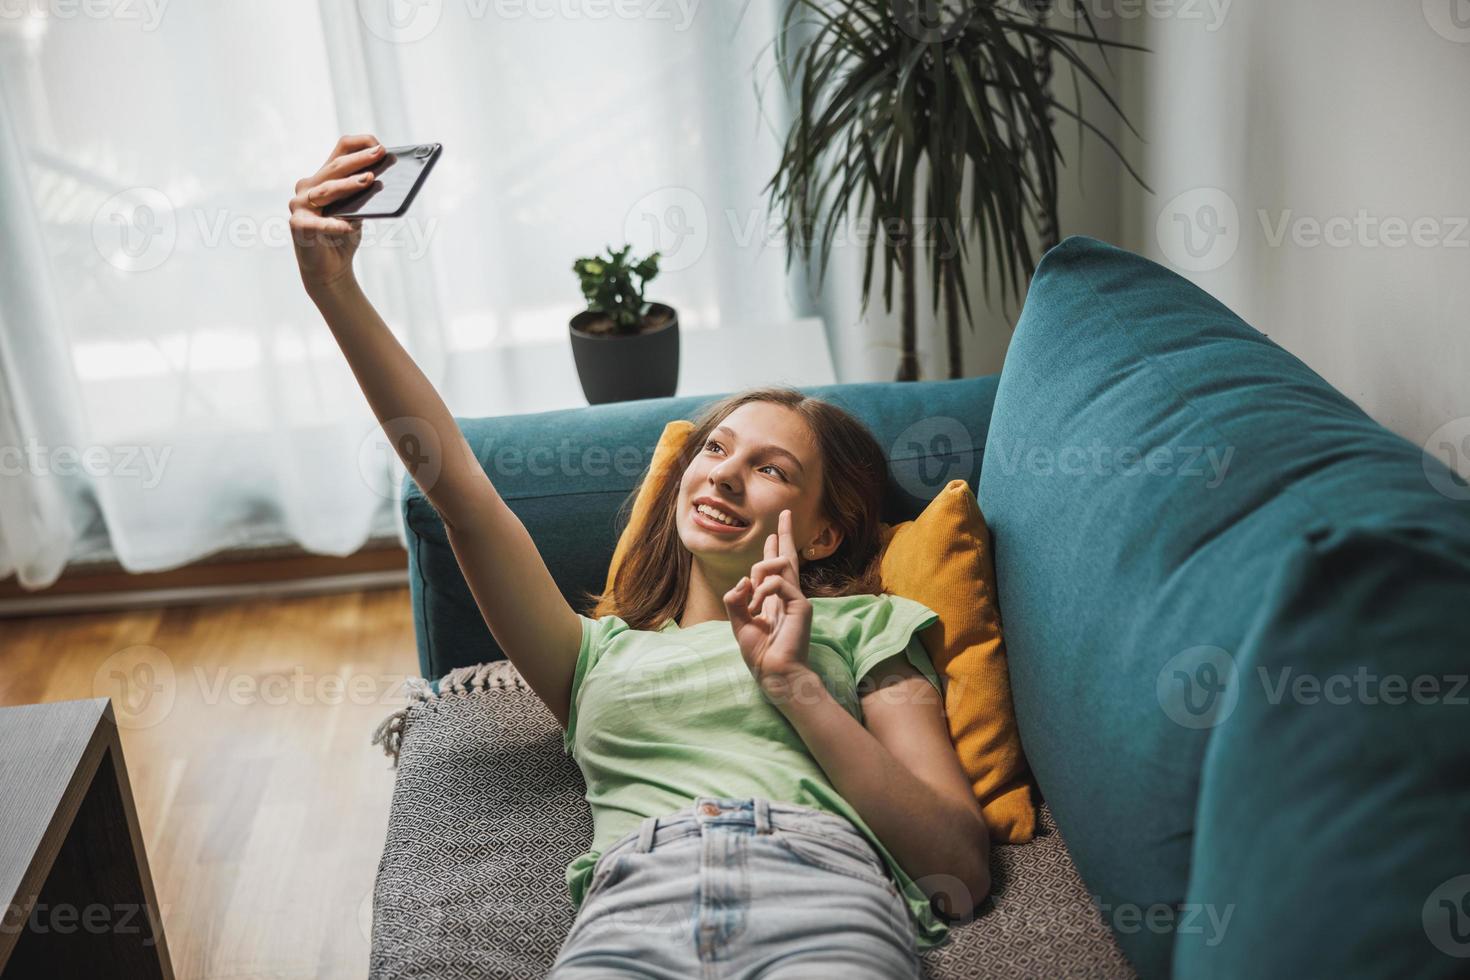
<point x="741" y="888"/>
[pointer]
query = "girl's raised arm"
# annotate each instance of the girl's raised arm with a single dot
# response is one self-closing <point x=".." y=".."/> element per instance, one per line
<point x="525" y="611"/>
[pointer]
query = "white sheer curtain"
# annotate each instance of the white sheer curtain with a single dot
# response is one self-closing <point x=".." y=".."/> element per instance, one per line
<point x="166" y="388"/>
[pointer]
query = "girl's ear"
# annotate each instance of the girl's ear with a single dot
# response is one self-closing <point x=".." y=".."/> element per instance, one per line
<point x="826" y="542"/>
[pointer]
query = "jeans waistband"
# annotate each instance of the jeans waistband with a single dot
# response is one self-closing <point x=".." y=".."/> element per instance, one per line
<point x="759" y="814"/>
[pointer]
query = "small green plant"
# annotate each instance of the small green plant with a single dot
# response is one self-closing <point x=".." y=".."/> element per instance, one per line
<point x="607" y="282"/>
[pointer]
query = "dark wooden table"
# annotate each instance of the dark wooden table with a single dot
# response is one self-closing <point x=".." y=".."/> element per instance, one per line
<point x="79" y="900"/>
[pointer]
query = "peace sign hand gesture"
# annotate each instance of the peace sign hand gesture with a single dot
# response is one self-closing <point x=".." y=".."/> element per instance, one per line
<point x="770" y="617"/>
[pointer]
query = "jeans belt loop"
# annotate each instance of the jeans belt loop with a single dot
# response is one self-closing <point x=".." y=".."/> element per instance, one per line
<point x="646" y="831"/>
<point x="762" y="815"/>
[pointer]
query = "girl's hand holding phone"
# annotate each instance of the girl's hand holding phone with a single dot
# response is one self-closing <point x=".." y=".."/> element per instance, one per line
<point x="325" y="245"/>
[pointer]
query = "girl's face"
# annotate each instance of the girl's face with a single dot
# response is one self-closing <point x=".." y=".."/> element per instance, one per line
<point x="759" y="461"/>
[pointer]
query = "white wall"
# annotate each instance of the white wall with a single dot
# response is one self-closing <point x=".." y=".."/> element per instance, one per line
<point x="1341" y="123"/>
<point x="1308" y="111"/>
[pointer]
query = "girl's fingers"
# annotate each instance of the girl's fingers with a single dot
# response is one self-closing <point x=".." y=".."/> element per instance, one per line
<point x="773" y="611"/>
<point x="768" y="565"/>
<point x="757" y="599"/>
<point x="350" y="163"/>
<point x="785" y="541"/>
<point x="735" y="602"/>
<point x="771" y="566"/>
<point x="319" y="195"/>
<point x="347" y="144"/>
<point x="774" y="585"/>
<point x="309" y="221"/>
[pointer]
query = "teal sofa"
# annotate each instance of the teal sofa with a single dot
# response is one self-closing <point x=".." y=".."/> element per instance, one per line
<point x="1235" y="609"/>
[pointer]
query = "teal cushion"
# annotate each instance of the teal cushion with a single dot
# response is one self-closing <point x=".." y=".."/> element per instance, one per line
<point x="1155" y="471"/>
<point x="566" y="473"/>
<point x="1334" y="812"/>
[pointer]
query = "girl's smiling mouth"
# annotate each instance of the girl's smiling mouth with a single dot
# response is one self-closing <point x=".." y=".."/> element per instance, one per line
<point x="712" y="524"/>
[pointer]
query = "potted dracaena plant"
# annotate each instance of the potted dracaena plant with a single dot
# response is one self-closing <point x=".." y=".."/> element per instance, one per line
<point x="889" y="90"/>
<point x="625" y="347"/>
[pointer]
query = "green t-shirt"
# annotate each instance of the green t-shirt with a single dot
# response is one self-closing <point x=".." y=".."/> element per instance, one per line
<point x="659" y="717"/>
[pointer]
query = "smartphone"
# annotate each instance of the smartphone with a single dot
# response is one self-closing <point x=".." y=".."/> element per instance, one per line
<point x="400" y="171"/>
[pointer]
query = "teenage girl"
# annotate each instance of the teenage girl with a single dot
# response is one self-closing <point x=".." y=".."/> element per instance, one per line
<point x="772" y="785"/>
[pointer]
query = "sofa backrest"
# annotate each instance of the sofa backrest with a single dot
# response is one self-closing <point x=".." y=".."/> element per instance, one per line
<point x="1184" y="514"/>
<point x="566" y="474"/>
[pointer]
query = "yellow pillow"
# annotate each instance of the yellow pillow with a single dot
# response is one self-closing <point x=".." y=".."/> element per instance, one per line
<point x="665" y="454"/>
<point x="941" y="559"/>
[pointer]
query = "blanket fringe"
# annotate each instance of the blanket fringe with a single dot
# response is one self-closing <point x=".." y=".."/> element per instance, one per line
<point x="498" y="675"/>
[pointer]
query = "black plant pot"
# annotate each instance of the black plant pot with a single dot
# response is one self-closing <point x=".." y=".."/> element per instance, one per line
<point x="618" y="367"/>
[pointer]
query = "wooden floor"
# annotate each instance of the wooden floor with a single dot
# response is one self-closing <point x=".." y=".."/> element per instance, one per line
<point x="246" y="730"/>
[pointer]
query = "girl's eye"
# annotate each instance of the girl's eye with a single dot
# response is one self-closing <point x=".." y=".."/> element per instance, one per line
<point x="768" y="466"/>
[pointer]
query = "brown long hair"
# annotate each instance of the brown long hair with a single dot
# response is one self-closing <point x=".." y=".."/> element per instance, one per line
<point x="652" y="582"/>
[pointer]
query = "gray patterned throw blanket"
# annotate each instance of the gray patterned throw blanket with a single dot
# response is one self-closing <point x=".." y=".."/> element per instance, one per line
<point x="487" y="812"/>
